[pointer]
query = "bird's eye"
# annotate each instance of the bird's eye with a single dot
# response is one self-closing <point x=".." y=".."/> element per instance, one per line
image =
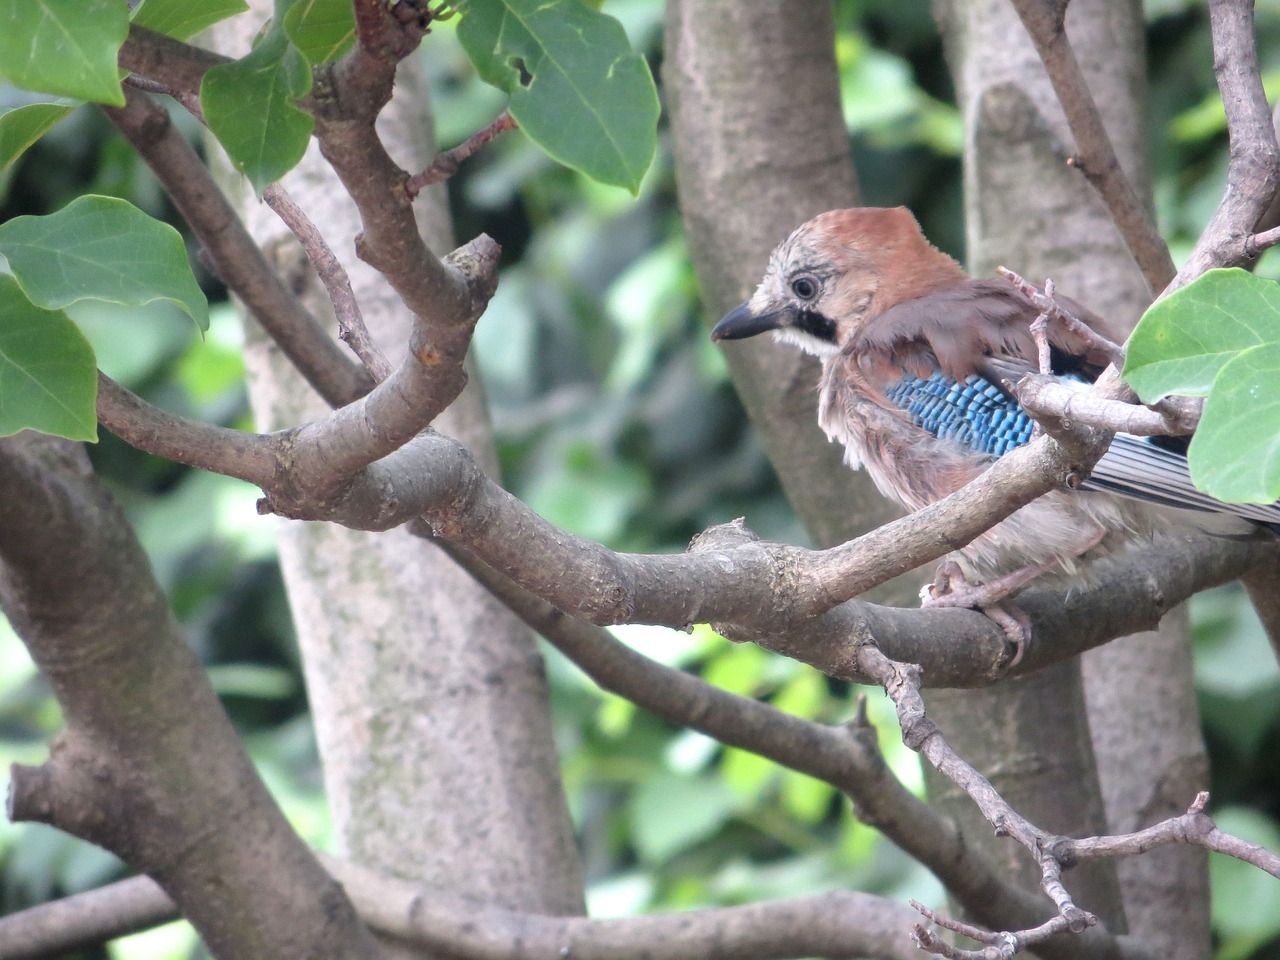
<point x="806" y="288"/>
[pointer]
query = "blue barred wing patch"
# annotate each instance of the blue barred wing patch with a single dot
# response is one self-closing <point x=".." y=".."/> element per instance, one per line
<point x="974" y="412"/>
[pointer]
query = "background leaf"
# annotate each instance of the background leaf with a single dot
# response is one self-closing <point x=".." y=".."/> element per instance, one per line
<point x="576" y="87"/>
<point x="66" y="47"/>
<point x="101" y="248"/>
<point x="48" y="378"/>
<point x="322" y="30"/>
<point x="183" y="19"/>
<point x="23" y="126"/>
<point x="249" y="105"/>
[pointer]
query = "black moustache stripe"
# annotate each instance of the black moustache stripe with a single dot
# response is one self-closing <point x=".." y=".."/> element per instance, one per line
<point x="816" y="325"/>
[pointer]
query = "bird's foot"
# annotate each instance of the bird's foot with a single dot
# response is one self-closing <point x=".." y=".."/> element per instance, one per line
<point x="951" y="588"/>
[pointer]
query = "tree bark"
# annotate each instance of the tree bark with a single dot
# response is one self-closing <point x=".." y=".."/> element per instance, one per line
<point x="756" y="156"/>
<point x="148" y="765"/>
<point x="430" y="699"/>
<point x="1028" y="210"/>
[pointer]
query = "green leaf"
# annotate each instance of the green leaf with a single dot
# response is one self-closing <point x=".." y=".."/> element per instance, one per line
<point x="1219" y="337"/>
<point x="23" y="126"/>
<point x="48" y="379"/>
<point x="1235" y="453"/>
<point x="249" y="107"/>
<point x="672" y="813"/>
<point x="1183" y="341"/>
<point x="67" y="47"/>
<point x="182" y="18"/>
<point x="101" y="248"/>
<point x="322" y="30"/>
<point x="1246" y="901"/>
<point x="577" y="89"/>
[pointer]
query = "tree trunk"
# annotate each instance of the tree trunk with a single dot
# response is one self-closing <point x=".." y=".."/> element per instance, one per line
<point x="1028" y="210"/>
<point x="754" y="160"/>
<point x="429" y="698"/>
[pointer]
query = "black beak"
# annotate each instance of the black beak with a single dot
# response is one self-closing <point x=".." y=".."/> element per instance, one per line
<point x="741" y="323"/>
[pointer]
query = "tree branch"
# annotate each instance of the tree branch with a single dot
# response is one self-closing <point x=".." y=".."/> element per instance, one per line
<point x="333" y="276"/>
<point x="1096" y="157"/>
<point x="1253" y="171"/>
<point x="1053" y="854"/>
<point x="447" y="163"/>
<point x="832" y="924"/>
<point x="137" y="705"/>
<point x="231" y="251"/>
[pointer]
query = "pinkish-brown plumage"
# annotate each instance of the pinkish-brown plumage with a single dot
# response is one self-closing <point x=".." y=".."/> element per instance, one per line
<point x="866" y="292"/>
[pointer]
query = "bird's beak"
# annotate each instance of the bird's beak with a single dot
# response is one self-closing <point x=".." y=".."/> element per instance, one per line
<point x="741" y="323"/>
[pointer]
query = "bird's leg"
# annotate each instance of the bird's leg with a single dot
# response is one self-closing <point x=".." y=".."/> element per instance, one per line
<point x="951" y="588"/>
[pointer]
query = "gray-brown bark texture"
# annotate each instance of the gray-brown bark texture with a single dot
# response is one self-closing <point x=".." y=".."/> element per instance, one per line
<point x="756" y="156"/>
<point x="138" y="707"/>
<point x="1028" y="210"/>
<point x="429" y="698"/>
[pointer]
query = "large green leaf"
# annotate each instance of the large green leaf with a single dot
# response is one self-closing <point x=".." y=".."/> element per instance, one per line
<point x="23" y="126"/>
<point x="1182" y="342"/>
<point x="1235" y="454"/>
<point x="67" y="47"/>
<point x="322" y="30"/>
<point x="101" y="248"/>
<point x="249" y="105"/>
<point x="1219" y="337"/>
<point x="576" y="87"/>
<point x="182" y="18"/>
<point x="48" y="379"/>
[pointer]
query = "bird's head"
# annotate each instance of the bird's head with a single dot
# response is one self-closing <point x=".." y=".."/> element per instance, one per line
<point x="834" y="273"/>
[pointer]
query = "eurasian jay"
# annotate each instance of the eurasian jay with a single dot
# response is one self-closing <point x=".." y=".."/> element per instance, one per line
<point x="915" y="357"/>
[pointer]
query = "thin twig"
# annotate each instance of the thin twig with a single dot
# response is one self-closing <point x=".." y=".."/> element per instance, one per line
<point x="1043" y="396"/>
<point x="351" y="326"/>
<point x="446" y="164"/>
<point x="1194" y="827"/>
<point x="1261" y="241"/>
<point x="1052" y="853"/>
<point x="1048" y="305"/>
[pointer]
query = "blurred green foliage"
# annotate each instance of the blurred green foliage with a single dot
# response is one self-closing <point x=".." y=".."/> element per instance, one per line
<point x="615" y="419"/>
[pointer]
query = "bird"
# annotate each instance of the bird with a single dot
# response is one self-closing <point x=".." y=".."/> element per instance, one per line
<point x="917" y="361"/>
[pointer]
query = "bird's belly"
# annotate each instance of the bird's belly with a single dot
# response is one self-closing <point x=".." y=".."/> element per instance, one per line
<point x="914" y="468"/>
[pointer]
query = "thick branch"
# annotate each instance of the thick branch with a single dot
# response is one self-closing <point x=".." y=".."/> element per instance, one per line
<point x="832" y="924"/>
<point x="137" y="704"/>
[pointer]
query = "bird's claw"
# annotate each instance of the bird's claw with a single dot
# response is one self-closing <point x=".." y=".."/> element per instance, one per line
<point x="950" y="588"/>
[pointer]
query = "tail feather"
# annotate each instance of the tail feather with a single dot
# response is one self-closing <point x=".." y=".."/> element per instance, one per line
<point x="1137" y="468"/>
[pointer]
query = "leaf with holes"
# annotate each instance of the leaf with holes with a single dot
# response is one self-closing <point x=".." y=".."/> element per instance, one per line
<point x="65" y="47"/>
<point x="249" y="105"/>
<point x="101" y="248"/>
<point x="577" y="89"/>
<point x="48" y="378"/>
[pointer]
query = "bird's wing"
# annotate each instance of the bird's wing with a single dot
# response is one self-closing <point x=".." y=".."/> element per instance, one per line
<point x="974" y="412"/>
<point x="958" y="327"/>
